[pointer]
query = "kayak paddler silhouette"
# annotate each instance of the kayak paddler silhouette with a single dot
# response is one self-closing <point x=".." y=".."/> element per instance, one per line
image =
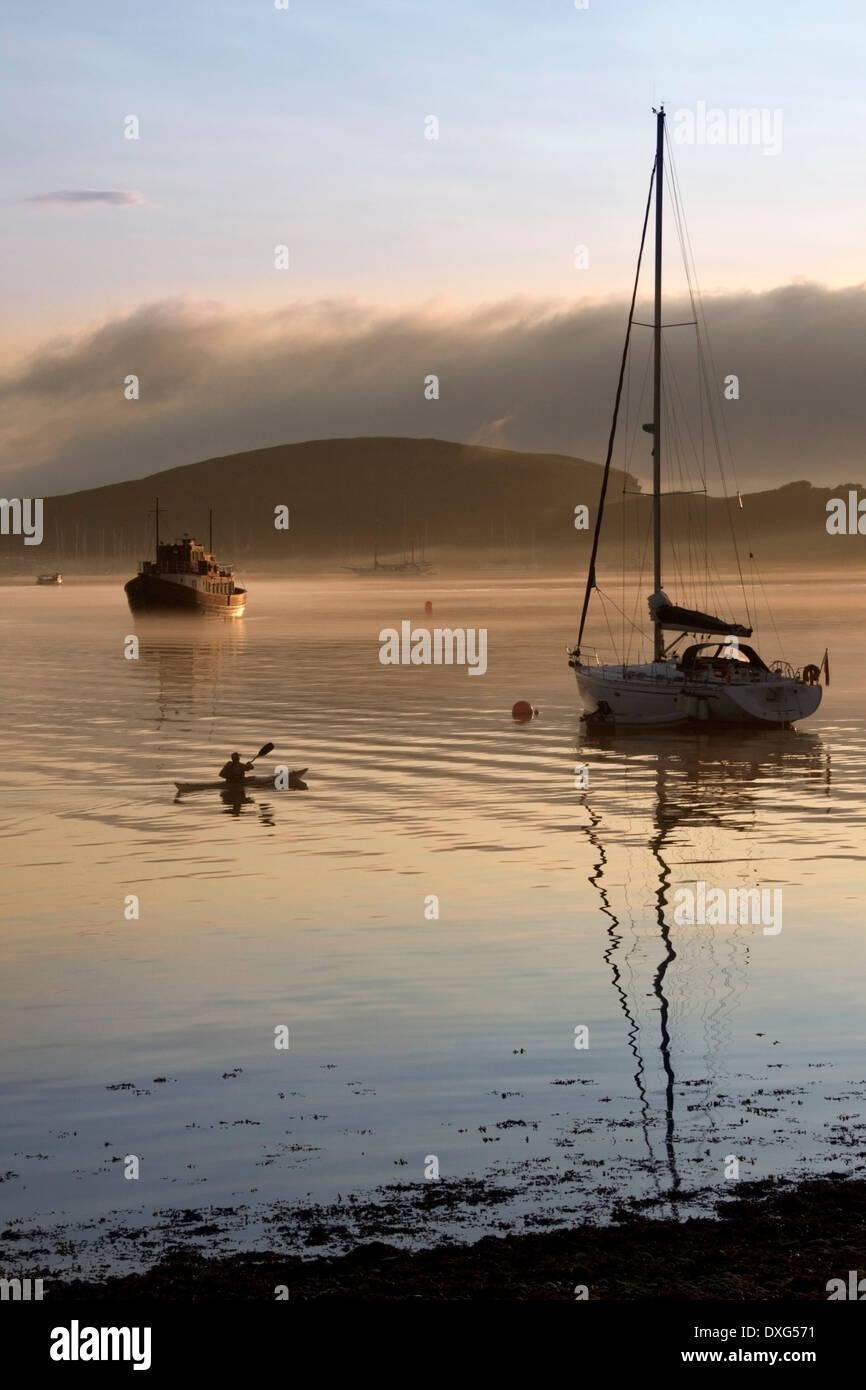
<point x="235" y="770"/>
<point x="234" y="778"/>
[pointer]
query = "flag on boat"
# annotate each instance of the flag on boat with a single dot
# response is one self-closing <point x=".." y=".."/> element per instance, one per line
<point x="825" y="666"/>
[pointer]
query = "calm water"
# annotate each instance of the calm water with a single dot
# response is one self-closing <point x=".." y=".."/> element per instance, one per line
<point x="409" y="1037"/>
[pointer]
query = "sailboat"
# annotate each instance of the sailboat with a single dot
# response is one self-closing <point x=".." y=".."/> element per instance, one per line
<point x="408" y="565"/>
<point x="721" y="680"/>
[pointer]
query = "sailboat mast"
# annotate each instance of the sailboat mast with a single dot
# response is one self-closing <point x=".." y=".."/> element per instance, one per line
<point x="658" y="643"/>
<point x="156" y="530"/>
<point x="210" y="530"/>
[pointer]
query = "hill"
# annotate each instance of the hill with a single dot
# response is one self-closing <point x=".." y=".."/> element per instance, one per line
<point x="349" y="496"/>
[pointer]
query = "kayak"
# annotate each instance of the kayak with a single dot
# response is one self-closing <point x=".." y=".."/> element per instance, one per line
<point x="240" y="784"/>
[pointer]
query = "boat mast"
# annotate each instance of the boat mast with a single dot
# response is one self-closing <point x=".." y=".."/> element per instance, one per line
<point x="210" y="530"/>
<point x="156" y="527"/>
<point x="658" y="641"/>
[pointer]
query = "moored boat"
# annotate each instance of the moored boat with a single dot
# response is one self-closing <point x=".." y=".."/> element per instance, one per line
<point x="407" y="566"/>
<point x="49" y="579"/>
<point x="722" y="681"/>
<point x="184" y="577"/>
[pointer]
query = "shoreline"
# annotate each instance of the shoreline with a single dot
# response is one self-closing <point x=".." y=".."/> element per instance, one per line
<point x="769" y="1241"/>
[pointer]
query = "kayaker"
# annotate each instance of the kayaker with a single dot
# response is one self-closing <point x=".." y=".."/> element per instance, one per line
<point x="234" y="769"/>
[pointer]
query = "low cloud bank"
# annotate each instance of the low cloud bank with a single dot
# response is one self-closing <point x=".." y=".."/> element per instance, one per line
<point x="519" y="374"/>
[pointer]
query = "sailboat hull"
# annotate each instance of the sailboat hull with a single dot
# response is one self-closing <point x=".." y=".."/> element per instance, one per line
<point x="659" y="693"/>
<point x="634" y="695"/>
<point x="773" y="702"/>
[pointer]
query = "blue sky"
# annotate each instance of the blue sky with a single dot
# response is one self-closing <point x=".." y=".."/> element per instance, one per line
<point x="261" y="126"/>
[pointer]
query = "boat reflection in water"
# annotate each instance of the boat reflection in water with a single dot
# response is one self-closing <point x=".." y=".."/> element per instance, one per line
<point x="187" y="680"/>
<point x="701" y="791"/>
<point x="235" y="798"/>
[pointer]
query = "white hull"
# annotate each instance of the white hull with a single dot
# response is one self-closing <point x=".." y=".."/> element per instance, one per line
<point x="636" y="694"/>
<point x="659" y="693"/>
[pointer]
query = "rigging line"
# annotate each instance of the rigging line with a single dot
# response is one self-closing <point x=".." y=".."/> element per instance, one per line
<point x="606" y="598"/>
<point x="758" y="579"/>
<point x="728" y="506"/>
<point x="691" y="274"/>
<point x="704" y="471"/>
<point x="622" y="511"/>
<point x="630" y="447"/>
<point x="704" y="352"/>
<point x="626" y="456"/>
<point x="675" y="461"/>
<point x="609" y="630"/>
<point x="640" y="560"/>
<point x="671" y="378"/>
<point x="642" y="567"/>
<point x="590" y="578"/>
<point x="681" y="455"/>
<point x="705" y="355"/>
<point x="771" y="612"/>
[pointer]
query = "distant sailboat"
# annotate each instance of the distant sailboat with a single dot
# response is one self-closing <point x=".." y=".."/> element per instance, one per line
<point x="408" y="565"/>
<point x="717" y="681"/>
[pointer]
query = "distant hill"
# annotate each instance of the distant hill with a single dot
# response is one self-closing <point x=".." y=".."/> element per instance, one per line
<point x="349" y="496"/>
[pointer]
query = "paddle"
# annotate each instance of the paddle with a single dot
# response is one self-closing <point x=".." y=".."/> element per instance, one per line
<point x="265" y="748"/>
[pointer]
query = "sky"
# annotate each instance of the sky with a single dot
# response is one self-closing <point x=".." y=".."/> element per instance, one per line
<point x="307" y="127"/>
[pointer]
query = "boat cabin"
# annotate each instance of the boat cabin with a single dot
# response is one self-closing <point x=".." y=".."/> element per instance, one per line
<point x="186" y="556"/>
<point x="716" y="657"/>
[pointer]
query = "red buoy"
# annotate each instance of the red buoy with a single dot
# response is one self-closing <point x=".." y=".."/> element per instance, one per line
<point x="522" y="711"/>
<point x="428" y="607"/>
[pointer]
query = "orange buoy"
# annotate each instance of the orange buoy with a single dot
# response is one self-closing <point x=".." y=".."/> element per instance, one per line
<point x="522" y="711"/>
<point x="428" y="607"/>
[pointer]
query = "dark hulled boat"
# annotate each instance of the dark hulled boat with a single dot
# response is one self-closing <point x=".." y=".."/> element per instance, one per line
<point x="185" y="577"/>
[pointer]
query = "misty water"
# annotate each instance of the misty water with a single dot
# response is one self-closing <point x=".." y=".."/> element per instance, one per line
<point x="411" y="1037"/>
